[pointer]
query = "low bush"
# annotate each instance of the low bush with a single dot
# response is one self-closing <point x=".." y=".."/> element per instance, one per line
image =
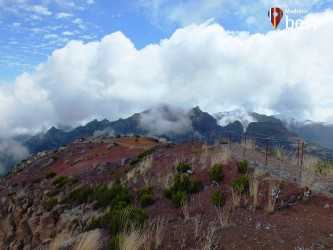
<point x="146" y="200"/>
<point x="243" y="166"/>
<point x="105" y="195"/>
<point x="63" y="180"/>
<point x="78" y="196"/>
<point x="54" y="192"/>
<point x="240" y="184"/>
<point x="181" y="187"/>
<point x="144" y="197"/>
<point x="183" y="167"/>
<point x="119" y="217"/>
<point x="50" y="175"/>
<point x="218" y="198"/>
<point x="216" y="172"/>
<point x="38" y="180"/>
<point x="146" y="152"/>
<point x="195" y="187"/>
<point x="50" y="204"/>
<point x="134" y="161"/>
<point x="179" y="197"/>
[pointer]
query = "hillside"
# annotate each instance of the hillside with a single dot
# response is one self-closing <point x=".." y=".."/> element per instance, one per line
<point x="80" y="193"/>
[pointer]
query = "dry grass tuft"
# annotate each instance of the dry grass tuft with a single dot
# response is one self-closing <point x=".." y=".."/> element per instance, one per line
<point x="165" y="180"/>
<point x="211" y="240"/>
<point x="131" y="175"/>
<point x="159" y="231"/>
<point x="133" y="239"/>
<point x="90" y="240"/>
<point x="282" y="154"/>
<point x="197" y="226"/>
<point x="248" y="144"/>
<point x="185" y="210"/>
<point x="223" y="216"/>
<point x="204" y="157"/>
<point x="220" y="156"/>
<point x="308" y="170"/>
<point x="254" y="188"/>
<point x="236" y="199"/>
<point x="273" y="195"/>
<point x="146" y="164"/>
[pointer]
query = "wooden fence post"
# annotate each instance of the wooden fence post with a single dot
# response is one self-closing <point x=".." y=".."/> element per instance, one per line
<point x="266" y="151"/>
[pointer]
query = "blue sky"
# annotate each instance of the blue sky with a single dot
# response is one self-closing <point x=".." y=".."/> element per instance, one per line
<point x="30" y="30"/>
<point x="70" y="61"/>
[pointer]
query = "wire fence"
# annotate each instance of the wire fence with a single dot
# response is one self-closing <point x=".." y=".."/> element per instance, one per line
<point x="269" y="145"/>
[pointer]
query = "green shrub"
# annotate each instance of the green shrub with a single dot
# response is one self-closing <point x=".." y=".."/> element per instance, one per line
<point x="179" y="197"/>
<point x="134" y="161"/>
<point x="182" y="167"/>
<point x="216" y="172"/>
<point x="195" y="187"/>
<point x="143" y="191"/>
<point x="217" y="198"/>
<point x="146" y="152"/>
<point x="114" y="242"/>
<point x="240" y="184"/>
<point x="59" y="180"/>
<point x="78" y="196"/>
<point x="50" y="204"/>
<point x="50" y="175"/>
<point x="38" y="180"/>
<point x="54" y="192"/>
<point x="114" y="219"/>
<point x="243" y="166"/>
<point x="63" y="180"/>
<point x="181" y="187"/>
<point x="106" y="196"/>
<point x="146" y="200"/>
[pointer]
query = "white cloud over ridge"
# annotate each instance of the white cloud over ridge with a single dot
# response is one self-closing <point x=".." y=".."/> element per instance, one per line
<point x="287" y="71"/>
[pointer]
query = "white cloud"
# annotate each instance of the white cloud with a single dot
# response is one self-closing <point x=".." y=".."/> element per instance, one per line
<point x="68" y="33"/>
<point x="16" y="25"/>
<point x="63" y="15"/>
<point x="11" y="151"/>
<point x="165" y="120"/>
<point x="89" y="2"/>
<point x="78" y="21"/>
<point x="41" y="10"/>
<point x="51" y="36"/>
<point x="286" y="71"/>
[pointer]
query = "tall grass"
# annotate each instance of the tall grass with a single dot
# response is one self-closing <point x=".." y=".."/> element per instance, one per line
<point x="146" y="164"/>
<point x="197" y="226"/>
<point x="308" y="170"/>
<point x="204" y="157"/>
<point x="185" y="210"/>
<point x="223" y="216"/>
<point x="159" y="231"/>
<point x="220" y="155"/>
<point x="254" y="188"/>
<point x="90" y="240"/>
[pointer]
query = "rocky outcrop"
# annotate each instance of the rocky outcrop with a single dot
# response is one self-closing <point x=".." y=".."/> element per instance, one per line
<point x="25" y="223"/>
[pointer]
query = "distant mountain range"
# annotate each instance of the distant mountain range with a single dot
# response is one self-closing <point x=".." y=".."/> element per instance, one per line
<point x="178" y="125"/>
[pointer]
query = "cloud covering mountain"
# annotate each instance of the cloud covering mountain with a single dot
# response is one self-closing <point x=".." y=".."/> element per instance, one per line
<point x="285" y="71"/>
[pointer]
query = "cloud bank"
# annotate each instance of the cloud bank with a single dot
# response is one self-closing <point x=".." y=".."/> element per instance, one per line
<point x="166" y="120"/>
<point x="11" y="152"/>
<point x="287" y="71"/>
